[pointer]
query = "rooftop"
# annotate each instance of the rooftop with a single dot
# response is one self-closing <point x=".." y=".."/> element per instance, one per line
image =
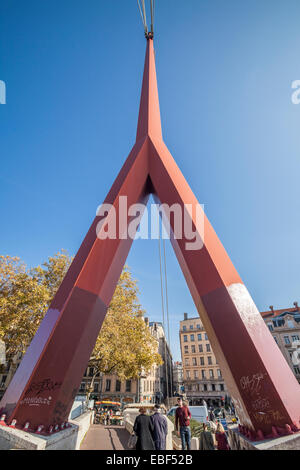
<point x="270" y="314"/>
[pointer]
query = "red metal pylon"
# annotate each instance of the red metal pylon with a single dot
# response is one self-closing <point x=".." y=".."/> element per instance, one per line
<point x="264" y="389"/>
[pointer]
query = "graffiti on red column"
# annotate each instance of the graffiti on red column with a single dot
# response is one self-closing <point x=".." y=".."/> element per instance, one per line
<point x="46" y="385"/>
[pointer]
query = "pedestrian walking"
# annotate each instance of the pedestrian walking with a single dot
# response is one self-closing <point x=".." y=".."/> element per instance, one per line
<point x="107" y="418"/>
<point x="143" y="428"/>
<point x="182" y="418"/>
<point x="206" y="439"/>
<point x="221" y="438"/>
<point x="211" y="415"/>
<point x="160" y="428"/>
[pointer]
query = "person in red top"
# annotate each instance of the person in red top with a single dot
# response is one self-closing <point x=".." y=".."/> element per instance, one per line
<point x="182" y="417"/>
<point x="221" y="438"/>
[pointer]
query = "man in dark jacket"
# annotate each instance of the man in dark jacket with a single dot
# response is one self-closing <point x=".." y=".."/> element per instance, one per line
<point x="160" y="430"/>
<point x="206" y="439"/>
<point x="143" y="428"/>
<point x="182" y="417"/>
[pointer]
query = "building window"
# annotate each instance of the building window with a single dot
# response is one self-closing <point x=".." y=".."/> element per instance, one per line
<point x="198" y="327"/>
<point x="184" y="328"/>
<point x="192" y="337"/>
<point x="205" y="336"/>
<point x="287" y="340"/>
<point x="211" y="373"/>
<point x="188" y="374"/>
<point x="193" y="349"/>
<point x="82" y="387"/>
<point x="295" y="338"/>
<point x="270" y="326"/>
<point x="199" y="337"/>
<point x="194" y="361"/>
<point x="213" y="387"/>
<point x="209" y="360"/>
<point x="205" y="387"/>
<point x="200" y="347"/>
<point x="187" y="362"/>
<point x="201" y="361"/>
<point x="186" y="349"/>
<point x="195" y="374"/>
<point x="128" y="385"/>
<point x="208" y="347"/>
<point x="275" y="339"/>
<point x="203" y="374"/>
<point x="118" y="385"/>
<point x="96" y="387"/>
<point x="185" y="338"/>
<point x="191" y="327"/>
<point x="108" y="384"/>
<point x="219" y="373"/>
<point x="91" y="371"/>
<point x="297" y="370"/>
<point x="290" y="324"/>
<point x="222" y="387"/>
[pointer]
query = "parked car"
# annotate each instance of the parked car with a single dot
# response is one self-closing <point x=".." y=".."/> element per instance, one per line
<point x="199" y="413"/>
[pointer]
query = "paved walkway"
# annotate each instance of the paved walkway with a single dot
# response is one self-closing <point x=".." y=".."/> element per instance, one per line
<point x="101" y="437"/>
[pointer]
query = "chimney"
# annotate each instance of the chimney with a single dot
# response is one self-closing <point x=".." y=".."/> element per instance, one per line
<point x="296" y="306"/>
<point x="185" y="316"/>
<point x="147" y="321"/>
<point x="272" y="309"/>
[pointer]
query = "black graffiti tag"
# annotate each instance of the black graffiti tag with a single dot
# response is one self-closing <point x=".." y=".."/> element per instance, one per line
<point x="46" y="385"/>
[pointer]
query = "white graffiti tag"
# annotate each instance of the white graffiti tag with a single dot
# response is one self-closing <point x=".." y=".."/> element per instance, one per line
<point x="252" y="384"/>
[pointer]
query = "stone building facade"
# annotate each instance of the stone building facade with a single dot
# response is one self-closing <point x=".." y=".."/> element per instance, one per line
<point x="152" y="387"/>
<point x="202" y="376"/>
<point x="284" y="325"/>
<point x="178" y="378"/>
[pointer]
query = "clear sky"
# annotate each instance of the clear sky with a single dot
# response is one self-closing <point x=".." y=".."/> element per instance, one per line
<point x="73" y="72"/>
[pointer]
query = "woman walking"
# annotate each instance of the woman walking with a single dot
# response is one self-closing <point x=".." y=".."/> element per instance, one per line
<point x="221" y="438"/>
<point x="143" y="428"/>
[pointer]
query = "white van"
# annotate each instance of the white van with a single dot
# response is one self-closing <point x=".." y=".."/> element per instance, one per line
<point x="199" y="413"/>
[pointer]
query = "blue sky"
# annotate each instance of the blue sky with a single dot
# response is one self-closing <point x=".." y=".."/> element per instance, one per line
<point x="73" y="72"/>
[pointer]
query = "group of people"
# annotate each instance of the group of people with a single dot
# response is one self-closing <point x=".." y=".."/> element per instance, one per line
<point x="151" y="431"/>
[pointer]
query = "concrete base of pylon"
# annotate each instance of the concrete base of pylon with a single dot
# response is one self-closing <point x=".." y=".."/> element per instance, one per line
<point x="68" y="439"/>
<point x="239" y="442"/>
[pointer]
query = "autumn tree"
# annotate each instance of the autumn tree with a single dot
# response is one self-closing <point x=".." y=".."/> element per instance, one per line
<point x="25" y="295"/>
<point x="125" y="345"/>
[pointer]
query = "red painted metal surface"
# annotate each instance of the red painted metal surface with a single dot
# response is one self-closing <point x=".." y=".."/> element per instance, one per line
<point x="264" y="389"/>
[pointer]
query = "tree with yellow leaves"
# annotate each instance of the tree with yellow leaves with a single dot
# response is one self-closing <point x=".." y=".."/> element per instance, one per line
<point x="25" y="295"/>
<point x="125" y="346"/>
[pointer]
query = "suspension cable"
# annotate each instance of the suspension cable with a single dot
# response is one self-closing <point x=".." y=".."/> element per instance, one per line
<point x="163" y="312"/>
<point x="152" y="17"/>
<point x="167" y="309"/>
<point x="143" y="15"/>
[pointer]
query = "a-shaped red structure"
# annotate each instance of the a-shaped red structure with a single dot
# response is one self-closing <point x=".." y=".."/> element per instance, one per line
<point x="264" y="390"/>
